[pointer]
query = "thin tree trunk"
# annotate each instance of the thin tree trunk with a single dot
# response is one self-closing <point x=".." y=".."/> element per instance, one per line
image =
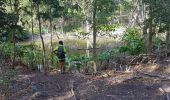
<point x="149" y="47"/>
<point x="120" y="13"/>
<point x="61" y="25"/>
<point x="16" y="11"/>
<point x="51" y="31"/>
<point x="32" y="24"/>
<point x="168" y="40"/>
<point x="94" y="28"/>
<point x="32" y="29"/>
<point x="11" y="5"/>
<point x="43" y="45"/>
<point x="14" y="49"/>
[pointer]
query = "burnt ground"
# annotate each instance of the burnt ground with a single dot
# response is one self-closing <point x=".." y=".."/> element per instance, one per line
<point x="145" y="84"/>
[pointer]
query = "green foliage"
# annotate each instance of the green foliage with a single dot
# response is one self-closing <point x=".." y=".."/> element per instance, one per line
<point x="134" y="44"/>
<point x="106" y="55"/>
<point x="81" y="61"/>
<point x="105" y="7"/>
<point x="6" y="50"/>
<point x="24" y="53"/>
<point x="31" y="56"/>
<point x="72" y="27"/>
<point x="160" y="14"/>
<point x="108" y="27"/>
<point x="158" y="43"/>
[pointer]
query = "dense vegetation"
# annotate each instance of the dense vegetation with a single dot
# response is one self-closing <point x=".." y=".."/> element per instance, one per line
<point x="116" y="49"/>
<point x="145" y="26"/>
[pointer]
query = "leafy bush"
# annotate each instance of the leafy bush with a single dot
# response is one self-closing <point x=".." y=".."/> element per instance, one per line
<point x="6" y="50"/>
<point x="80" y="61"/>
<point x="107" y="55"/>
<point x="158" y="43"/>
<point x="107" y="27"/>
<point x="134" y="44"/>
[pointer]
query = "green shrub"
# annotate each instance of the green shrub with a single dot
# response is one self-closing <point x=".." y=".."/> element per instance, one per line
<point x="6" y="50"/>
<point x="107" y="27"/>
<point x="158" y="43"/>
<point x="107" y="55"/>
<point x="134" y="44"/>
<point x="81" y="61"/>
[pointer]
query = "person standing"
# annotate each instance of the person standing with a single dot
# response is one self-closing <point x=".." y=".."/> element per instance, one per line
<point x="60" y="52"/>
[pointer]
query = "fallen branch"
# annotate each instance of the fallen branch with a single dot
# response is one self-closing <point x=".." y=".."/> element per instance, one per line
<point x="72" y="89"/>
<point x="165" y="94"/>
<point x="163" y="78"/>
<point x="59" y="87"/>
<point x="134" y="59"/>
<point x="151" y="75"/>
<point x="132" y="78"/>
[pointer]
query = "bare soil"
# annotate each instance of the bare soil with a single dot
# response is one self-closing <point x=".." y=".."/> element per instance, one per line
<point x="146" y="82"/>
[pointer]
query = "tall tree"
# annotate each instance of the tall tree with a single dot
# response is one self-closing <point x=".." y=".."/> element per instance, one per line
<point x="94" y="28"/>
<point x="102" y="9"/>
<point x="158" y="17"/>
<point x="53" y="10"/>
<point x="38" y="3"/>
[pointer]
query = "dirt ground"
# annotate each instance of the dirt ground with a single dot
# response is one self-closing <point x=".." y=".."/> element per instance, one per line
<point x="148" y="82"/>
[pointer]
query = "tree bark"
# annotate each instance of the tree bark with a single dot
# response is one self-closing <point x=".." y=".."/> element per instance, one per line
<point x="32" y="29"/>
<point x="94" y="28"/>
<point x="149" y="39"/>
<point x="11" y="5"/>
<point x="16" y="12"/>
<point x="168" y="40"/>
<point x="14" y="49"/>
<point x="61" y="25"/>
<point x="42" y="41"/>
<point x="51" y="31"/>
<point x="120" y="13"/>
<point x="86" y="30"/>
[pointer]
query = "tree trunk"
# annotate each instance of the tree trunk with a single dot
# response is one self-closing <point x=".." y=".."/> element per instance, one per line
<point x="16" y="11"/>
<point x="149" y="39"/>
<point x="14" y="49"/>
<point x="51" y="31"/>
<point x="42" y="41"/>
<point x="86" y="30"/>
<point x="10" y="1"/>
<point x="120" y="13"/>
<point x="94" y="28"/>
<point x="168" y="40"/>
<point x="32" y="29"/>
<point x="32" y="25"/>
<point x="61" y="24"/>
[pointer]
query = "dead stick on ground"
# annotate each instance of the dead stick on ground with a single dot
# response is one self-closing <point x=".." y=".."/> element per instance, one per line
<point x="166" y="94"/>
<point x="154" y="75"/>
<point x="72" y="89"/>
<point x="131" y="78"/>
<point x="134" y="59"/>
<point x="151" y="75"/>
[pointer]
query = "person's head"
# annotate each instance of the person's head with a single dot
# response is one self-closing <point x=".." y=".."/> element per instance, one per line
<point x="60" y="42"/>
